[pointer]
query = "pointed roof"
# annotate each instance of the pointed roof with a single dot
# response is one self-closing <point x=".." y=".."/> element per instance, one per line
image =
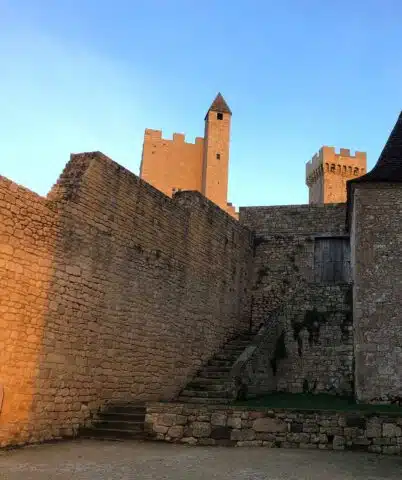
<point x="389" y="165"/>
<point x="387" y="169"/>
<point x="219" y="105"/>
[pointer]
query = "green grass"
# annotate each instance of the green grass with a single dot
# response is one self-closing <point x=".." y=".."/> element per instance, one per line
<point x="308" y="401"/>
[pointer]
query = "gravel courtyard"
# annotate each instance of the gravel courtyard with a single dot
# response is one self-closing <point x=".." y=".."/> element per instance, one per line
<point x="97" y="460"/>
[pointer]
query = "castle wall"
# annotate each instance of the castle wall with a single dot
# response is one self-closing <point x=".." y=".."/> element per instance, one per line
<point x="319" y="357"/>
<point x="377" y="297"/>
<point x="109" y="291"/>
<point x="172" y="164"/>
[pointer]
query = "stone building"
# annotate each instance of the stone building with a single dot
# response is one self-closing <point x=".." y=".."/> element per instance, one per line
<point x="113" y="289"/>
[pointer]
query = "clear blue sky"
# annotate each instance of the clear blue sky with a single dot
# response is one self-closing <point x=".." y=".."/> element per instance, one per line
<point x="83" y="75"/>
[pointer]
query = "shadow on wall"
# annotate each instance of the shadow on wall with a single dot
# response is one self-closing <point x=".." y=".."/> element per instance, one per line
<point x="110" y="291"/>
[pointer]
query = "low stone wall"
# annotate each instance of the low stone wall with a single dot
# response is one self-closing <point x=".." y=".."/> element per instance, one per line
<point x="242" y="426"/>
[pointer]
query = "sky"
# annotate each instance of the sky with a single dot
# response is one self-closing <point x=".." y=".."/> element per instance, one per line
<point x="85" y="75"/>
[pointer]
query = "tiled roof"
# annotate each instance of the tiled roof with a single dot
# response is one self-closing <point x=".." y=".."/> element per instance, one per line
<point x="219" y="105"/>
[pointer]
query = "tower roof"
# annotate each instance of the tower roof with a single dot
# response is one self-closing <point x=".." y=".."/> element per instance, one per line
<point x="219" y="105"/>
<point x="387" y="169"/>
<point x="389" y="165"/>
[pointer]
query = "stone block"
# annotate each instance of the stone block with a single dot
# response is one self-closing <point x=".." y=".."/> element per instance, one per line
<point x="271" y="425"/>
<point x="175" y="431"/>
<point x="241" y="435"/>
<point x="201" y="429"/>
<point x="391" y="430"/>
<point x="234" y="422"/>
<point x="219" y="419"/>
<point x="374" y="429"/>
<point x="167" y="419"/>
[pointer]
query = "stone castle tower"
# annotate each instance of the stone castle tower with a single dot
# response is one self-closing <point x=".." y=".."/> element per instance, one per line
<point x="173" y="165"/>
<point x="327" y="173"/>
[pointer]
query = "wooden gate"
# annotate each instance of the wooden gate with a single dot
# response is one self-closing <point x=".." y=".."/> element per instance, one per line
<point x="332" y="260"/>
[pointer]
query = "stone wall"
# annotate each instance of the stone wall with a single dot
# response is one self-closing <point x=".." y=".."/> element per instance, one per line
<point x="241" y="426"/>
<point x="109" y="291"/>
<point x="284" y="250"/>
<point x="313" y="349"/>
<point x="377" y="271"/>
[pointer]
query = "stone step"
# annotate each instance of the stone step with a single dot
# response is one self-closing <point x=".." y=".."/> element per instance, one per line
<point x="201" y="400"/>
<point x="110" y="434"/>
<point x="220" y="363"/>
<point x="228" y="355"/>
<point x="208" y="380"/>
<point x="215" y="387"/>
<point x="129" y="409"/>
<point x="218" y="373"/>
<point x="119" y="425"/>
<point x="129" y="417"/>
<point x="204" y="393"/>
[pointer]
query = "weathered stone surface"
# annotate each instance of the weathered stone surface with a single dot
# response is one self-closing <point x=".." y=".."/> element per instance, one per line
<point x="95" y="305"/>
<point x="201" y="429"/>
<point x="391" y="430"/>
<point x="241" y="435"/>
<point x="269" y="425"/>
<point x="219" y="419"/>
<point x="176" y="431"/>
<point x="234" y="422"/>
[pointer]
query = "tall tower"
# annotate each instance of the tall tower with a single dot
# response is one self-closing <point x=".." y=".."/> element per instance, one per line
<point x="327" y="173"/>
<point x="215" y="169"/>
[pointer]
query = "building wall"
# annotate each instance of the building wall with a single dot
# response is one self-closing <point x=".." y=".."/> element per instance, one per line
<point x="318" y="357"/>
<point x="377" y="297"/>
<point x="172" y="164"/>
<point x="109" y="291"/>
<point x="328" y="172"/>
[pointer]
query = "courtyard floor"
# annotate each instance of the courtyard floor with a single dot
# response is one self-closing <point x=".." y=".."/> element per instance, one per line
<point x="90" y="460"/>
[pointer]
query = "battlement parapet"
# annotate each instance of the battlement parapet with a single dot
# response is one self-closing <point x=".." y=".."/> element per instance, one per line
<point x="342" y="162"/>
<point x="157" y="135"/>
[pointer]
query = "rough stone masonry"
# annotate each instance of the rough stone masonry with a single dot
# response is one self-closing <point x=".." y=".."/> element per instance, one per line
<point x="111" y="291"/>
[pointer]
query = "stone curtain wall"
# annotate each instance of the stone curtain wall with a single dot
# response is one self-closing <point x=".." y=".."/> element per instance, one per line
<point x="284" y="249"/>
<point x="110" y="291"/>
<point x="313" y="350"/>
<point x="28" y="228"/>
<point x="377" y="271"/>
<point x="239" y="426"/>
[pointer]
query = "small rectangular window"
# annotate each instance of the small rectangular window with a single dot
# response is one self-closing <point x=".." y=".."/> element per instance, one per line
<point x="219" y="116"/>
<point x="218" y="156"/>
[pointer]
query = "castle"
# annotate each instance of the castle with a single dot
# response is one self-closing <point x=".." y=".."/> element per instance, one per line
<point x="203" y="166"/>
<point x="116" y="288"/>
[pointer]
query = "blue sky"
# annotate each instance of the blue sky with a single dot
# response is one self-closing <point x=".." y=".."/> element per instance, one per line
<point x="85" y="75"/>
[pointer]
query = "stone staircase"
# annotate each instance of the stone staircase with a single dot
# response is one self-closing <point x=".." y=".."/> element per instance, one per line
<point x="118" y="422"/>
<point x="210" y="386"/>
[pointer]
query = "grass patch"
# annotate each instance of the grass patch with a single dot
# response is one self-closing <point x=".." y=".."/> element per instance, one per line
<point x="308" y="401"/>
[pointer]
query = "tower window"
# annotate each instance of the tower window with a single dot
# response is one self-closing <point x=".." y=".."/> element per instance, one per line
<point x="219" y="116"/>
<point x="218" y="156"/>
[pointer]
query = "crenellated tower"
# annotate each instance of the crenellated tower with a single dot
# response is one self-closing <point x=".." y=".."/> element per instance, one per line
<point x="327" y="173"/>
<point x="216" y="151"/>
<point x="171" y="165"/>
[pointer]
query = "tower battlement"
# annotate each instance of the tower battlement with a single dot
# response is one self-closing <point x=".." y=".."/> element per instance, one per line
<point x="328" y="171"/>
<point x="155" y="135"/>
